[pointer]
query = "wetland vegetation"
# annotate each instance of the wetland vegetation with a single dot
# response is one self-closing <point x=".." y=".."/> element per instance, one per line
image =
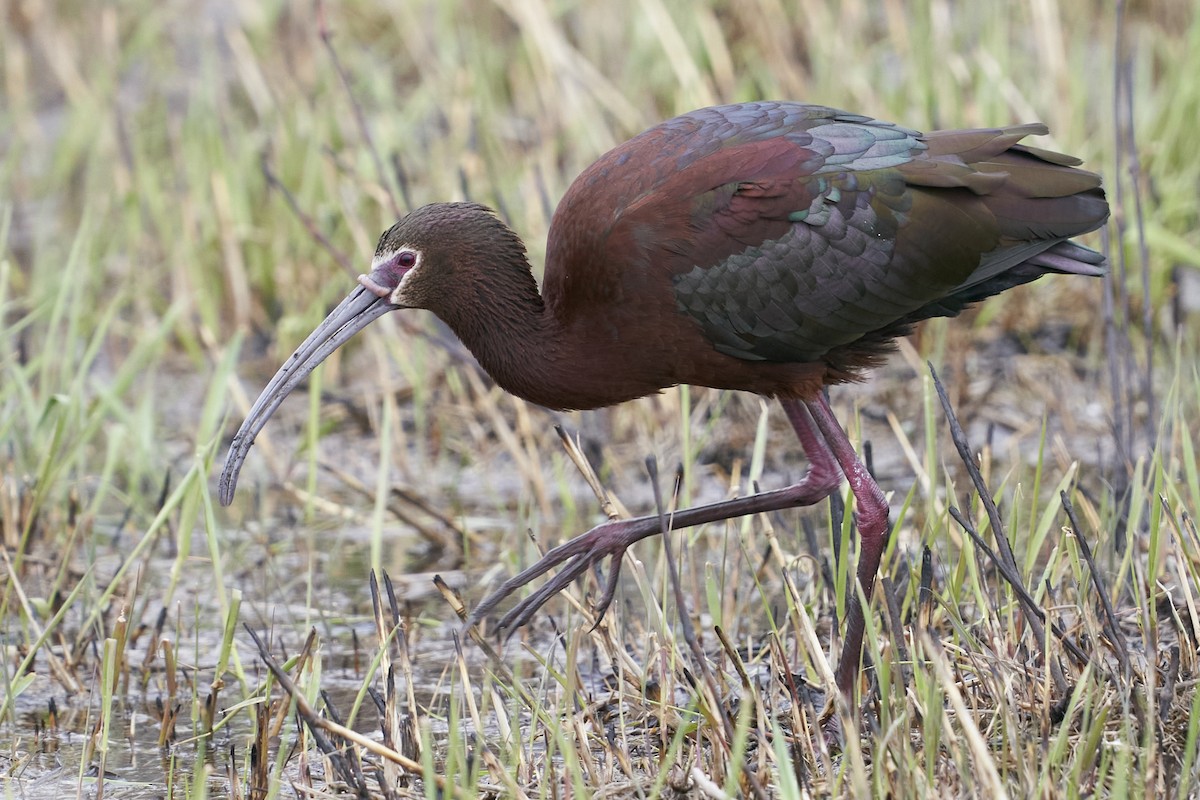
<point x="185" y="190"/>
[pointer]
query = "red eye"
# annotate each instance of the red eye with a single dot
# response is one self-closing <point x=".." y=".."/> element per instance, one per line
<point x="407" y="259"/>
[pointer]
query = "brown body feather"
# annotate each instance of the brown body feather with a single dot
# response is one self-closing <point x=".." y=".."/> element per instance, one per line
<point x="667" y="255"/>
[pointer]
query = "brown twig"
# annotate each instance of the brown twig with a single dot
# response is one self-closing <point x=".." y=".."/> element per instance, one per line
<point x="1007" y="563"/>
<point x="892" y="603"/>
<point x="319" y="726"/>
<point x="1110" y="616"/>
<point x="350" y="761"/>
<point x="320" y="238"/>
<point x="1034" y="615"/>
<point x="685" y="620"/>
<point x="326" y="36"/>
<point x="925" y="591"/>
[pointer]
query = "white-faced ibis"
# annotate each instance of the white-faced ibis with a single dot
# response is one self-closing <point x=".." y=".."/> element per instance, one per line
<point x="775" y="248"/>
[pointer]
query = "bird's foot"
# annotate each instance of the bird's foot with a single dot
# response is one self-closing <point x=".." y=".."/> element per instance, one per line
<point x="832" y="729"/>
<point x="825" y="711"/>
<point x="610" y="539"/>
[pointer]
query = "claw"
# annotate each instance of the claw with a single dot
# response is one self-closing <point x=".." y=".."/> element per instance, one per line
<point x="609" y="540"/>
<point x="610" y="587"/>
<point x="551" y="559"/>
<point x="523" y="611"/>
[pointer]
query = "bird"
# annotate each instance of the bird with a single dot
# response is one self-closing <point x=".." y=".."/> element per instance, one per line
<point x="777" y="248"/>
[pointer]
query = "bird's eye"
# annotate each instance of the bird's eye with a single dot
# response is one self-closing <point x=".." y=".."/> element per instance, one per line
<point x="407" y="259"/>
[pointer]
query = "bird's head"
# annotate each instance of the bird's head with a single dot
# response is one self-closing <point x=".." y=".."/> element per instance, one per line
<point x="422" y="261"/>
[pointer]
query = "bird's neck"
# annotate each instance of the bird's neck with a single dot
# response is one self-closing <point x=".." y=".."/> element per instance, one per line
<point x="529" y="350"/>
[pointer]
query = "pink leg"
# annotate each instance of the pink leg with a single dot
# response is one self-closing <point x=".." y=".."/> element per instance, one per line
<point x="613" y="538"/>
<point x="873" y="529"/>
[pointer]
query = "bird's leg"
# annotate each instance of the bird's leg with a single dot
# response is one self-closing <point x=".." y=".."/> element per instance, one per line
<point x="872" y="518"/>
<point x="613" y="538"/>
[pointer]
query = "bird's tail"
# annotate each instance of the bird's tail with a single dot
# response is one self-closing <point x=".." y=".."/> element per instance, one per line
<point x="1038" y="200"/>
<point x="1071" y="259"/>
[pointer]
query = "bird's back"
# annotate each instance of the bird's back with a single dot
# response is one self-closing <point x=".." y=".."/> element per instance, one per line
<point x="785" y="233"/>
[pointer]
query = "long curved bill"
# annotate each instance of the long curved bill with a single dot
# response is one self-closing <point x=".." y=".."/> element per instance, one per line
<point x="357" y="311"/>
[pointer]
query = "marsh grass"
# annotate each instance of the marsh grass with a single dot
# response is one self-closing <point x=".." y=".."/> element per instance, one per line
<point x="186" y="190"/>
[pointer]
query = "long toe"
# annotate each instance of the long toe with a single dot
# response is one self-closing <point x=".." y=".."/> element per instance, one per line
<point x="523" y="612"/>
<point x="564" y="552"/>
<point x="608" y="540"/>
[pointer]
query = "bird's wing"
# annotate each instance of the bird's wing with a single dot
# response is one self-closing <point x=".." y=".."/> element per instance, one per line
<point x="811" y="237"/>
